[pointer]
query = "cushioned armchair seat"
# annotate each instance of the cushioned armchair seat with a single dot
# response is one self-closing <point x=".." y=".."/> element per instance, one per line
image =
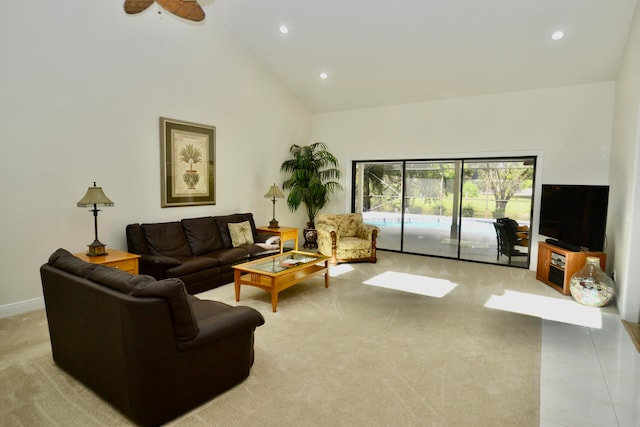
<point x="346" y="238"/>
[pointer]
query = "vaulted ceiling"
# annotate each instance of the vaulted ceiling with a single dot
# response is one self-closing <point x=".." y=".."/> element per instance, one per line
<point x="378" y="52"/>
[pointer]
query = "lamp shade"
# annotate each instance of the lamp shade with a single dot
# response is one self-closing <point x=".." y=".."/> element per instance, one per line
<point x="94" y="196"/>
<point x="274" y="192"/>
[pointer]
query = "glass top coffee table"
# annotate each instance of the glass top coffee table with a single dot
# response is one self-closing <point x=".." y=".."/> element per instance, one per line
<point x="279" y="272"/>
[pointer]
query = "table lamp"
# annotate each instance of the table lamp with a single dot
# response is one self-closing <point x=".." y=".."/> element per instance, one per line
<point x="274" y="193"/>
<point x="93" y="198"/>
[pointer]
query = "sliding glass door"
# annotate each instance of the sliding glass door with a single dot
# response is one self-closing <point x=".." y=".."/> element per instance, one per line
<point x="446" y="208"/>
<point x="378" y="188"/>
<point x="429" y="208"/>
<point x="493" y="189"/>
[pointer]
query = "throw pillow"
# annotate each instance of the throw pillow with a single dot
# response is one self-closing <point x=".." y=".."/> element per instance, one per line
<point x="240" y="233"/>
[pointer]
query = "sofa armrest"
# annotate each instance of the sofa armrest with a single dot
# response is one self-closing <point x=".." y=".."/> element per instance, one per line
<point x="365" y="231"/>
<point x="263" y="237"/>
<point x="223" y="324"/>
<point x="325" y="230"/>
<point x="156" y="265"/>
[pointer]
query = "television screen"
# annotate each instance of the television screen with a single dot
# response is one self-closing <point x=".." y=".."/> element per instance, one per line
<point x="575" y="214"/>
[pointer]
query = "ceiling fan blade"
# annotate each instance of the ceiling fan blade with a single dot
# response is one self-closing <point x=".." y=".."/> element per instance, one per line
<point x="136" y="6"/>
<point x="187" y="9"/>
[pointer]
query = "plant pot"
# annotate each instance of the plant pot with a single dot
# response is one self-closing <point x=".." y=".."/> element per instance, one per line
<point x="310" y="238"/>
<point x="191" y="178"/>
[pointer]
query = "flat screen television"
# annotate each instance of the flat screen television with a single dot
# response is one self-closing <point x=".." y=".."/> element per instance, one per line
<point x="575" y="214"/>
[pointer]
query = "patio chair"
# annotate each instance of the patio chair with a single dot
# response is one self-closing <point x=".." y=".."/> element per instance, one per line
<point x="506" y="243"/>
<point x="519" y="234"/>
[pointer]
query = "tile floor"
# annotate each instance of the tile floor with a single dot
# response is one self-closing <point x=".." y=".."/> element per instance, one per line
<point x="589" y="376"/>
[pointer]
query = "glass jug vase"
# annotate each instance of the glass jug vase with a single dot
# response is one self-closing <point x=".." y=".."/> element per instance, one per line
<point x="590" y="285"/>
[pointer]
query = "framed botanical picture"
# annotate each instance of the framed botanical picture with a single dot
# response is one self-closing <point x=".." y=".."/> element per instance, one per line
<point x="187" y="163"/>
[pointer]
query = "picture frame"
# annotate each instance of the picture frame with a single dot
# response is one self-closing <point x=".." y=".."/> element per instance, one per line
<point x="187" y="163"/>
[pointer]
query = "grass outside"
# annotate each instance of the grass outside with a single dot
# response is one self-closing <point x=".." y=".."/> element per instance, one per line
<point x="484" y="206"/>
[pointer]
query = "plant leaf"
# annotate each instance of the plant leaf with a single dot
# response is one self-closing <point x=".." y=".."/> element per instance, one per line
<point x="136" y="6"/>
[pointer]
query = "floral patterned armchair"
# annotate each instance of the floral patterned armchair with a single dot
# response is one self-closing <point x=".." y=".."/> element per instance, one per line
<point x="346" y="238"/>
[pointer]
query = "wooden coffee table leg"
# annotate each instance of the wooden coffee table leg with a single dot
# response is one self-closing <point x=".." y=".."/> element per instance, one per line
<point x="236" y="283"/>
<point x="274" y="295"/>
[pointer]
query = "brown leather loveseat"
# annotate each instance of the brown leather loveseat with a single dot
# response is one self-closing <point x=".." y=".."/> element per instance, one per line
<point x="198" y="251"/>
<point x="147" y="347"/>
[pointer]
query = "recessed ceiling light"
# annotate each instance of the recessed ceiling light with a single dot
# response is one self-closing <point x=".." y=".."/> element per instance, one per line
<point x="557" y="35"/>
<point x="324" y="76"/>
<point x="284" y="29"/>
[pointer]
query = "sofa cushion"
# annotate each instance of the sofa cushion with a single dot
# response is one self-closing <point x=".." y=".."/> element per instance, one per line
<point x="202" y="235"/>
<point x="203" y="309"/>
<point x="240" y="233"/>
<point x="136" y="242"/>
<point x="107" y="276"/>
<point x="173" y="291"/>
<point x="223" y="225"/>
<point x="347" y="224"/>
<point x="231" y="256"/>
<point x="166" y="239"/>
<point x="192" y="265"/>
<point x="66" y="261"/>
<point x="117" y="279"/>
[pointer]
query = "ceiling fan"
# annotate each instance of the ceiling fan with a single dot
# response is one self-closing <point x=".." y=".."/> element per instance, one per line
<point x="187" y="9"/>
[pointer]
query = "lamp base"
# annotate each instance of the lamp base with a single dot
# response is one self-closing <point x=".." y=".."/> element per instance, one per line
<point x="97" y="249"/>
<point x="273" y="223"/>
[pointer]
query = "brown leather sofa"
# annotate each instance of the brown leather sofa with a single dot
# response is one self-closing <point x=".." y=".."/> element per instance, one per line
<point x="145" y="346"/>
<point x="198" y="251"/>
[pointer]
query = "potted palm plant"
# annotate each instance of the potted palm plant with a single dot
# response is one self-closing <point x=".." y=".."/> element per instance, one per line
<point x="190" y="155"/>
<point x="313" y="174"/>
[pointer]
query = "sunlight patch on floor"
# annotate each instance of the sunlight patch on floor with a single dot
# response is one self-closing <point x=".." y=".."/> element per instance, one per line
<point x="412" y="283"/>
<point x="559" y="310"/>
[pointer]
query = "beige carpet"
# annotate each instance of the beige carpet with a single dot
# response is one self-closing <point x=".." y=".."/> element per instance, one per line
<point x="349" y="355"/>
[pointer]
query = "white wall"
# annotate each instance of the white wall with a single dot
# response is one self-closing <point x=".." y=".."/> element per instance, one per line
<point x="624" y="205"/>
<point x="568" y="127"/>
<point x="83" y="86"/>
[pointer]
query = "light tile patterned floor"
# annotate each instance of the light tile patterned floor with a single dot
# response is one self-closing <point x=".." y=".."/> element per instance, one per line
<point x="589" y="376"/>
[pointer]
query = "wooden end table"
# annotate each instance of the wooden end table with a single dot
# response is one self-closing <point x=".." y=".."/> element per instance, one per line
<point x="279" y="272"/>
<point x="117" y="259"/>
<point x="285" y="233"/>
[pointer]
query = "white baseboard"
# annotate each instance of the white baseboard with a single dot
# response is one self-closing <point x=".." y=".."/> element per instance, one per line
<point x="21" y="307"/>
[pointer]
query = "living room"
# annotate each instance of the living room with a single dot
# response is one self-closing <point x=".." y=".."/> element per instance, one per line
<point x="86" y="109"/>
<point x="84" y="86"/>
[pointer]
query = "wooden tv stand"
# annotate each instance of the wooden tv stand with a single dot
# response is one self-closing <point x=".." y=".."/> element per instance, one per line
<point x="556" y="265"/>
